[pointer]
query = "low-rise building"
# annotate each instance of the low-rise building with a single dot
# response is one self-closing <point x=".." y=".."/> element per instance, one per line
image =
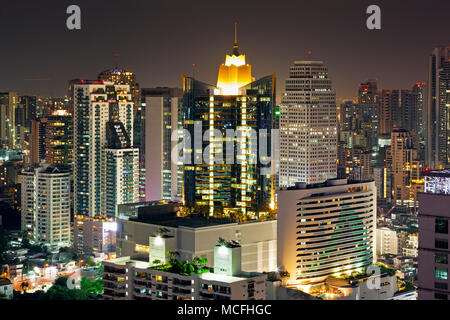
<point x="6" y="289"/>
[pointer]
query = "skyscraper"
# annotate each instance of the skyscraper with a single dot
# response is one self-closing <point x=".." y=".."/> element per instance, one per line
<point x="308" y="125"/>
<point x="434" y="237"/>
<point x="437" y="121"/>
<point x="368" y="92"/>
<point x="8" y="105"/>
<point x="95" y="104"/>
<point x="163" y="116"/>
<point x="59" y="138"/>
<point x="226" y="170"/>
<point x="46" y="204"/>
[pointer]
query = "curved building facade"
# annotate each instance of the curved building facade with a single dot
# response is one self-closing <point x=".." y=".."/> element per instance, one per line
<point x="326" y="229"/>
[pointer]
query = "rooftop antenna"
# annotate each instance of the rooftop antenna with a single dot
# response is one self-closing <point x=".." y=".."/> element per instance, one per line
<point x="116" y="60"/>
<point x="309" y="53"/>
<point x="235" y="47"/>
<point x="193" y="70"/>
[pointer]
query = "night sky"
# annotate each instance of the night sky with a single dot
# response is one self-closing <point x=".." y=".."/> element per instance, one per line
<point x="158" y="40"/>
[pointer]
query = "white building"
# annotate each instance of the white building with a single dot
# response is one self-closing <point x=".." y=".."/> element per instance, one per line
<point x="387" y="241"/>
<point x="95" y="104"/>
<point x="308" y="126"/>
<point x="326" y="229"/>
<point x="46" y="204"/>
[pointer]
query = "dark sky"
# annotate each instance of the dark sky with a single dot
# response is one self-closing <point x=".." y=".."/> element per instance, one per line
<point x="160" y="39"/>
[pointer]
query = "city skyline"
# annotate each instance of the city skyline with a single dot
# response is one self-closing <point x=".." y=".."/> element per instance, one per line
<point x="47" y="54"/>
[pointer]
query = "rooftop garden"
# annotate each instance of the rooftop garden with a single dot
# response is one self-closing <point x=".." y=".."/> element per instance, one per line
<point x="184" y="268"/>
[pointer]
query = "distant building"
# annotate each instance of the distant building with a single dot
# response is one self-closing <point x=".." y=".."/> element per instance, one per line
<point x="387" y="242"/>
<point x="126" y="279"/>
<point x="46" y="204"/>
<point x="8" y="104"/>
<point x="326" y="229"/>
<point x="94" y="235"/>
<point x="59" y="138"/>
<point x="433" y="249"/>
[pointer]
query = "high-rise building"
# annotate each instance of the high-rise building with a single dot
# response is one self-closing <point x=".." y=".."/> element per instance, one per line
<point x="8" y="106"/>
<point x="59" y="138"/>
<point x="420" y="93"/>
<point x="38" y="141"/>
<point x="326" y="229"/>
<point x="308" y="126"/>
<point x="437" y="121"/>
<point x="406" y="168"/>
<point x="163" y="116"/>
<point x="95" y="104"/>
<point x="46" y="204"/>
<point x="122" y="76"/>
<point x="228" y="171"/>
<point x="368" y="92"/>
<point x="434" y="237"/>
<point x="121" y="184"/>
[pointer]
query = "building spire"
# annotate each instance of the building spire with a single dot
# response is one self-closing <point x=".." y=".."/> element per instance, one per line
<point x="235" y="47"/>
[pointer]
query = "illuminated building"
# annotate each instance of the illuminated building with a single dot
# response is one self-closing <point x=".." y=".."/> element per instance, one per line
<point x="326" y="229"/>
<point x="95" y="104"/>
<point x="387" y="242"/>
<point x="437" y="143"/>
<point x="433" y="249"/>
<point x="123" y="76"/>
<point x="308" y="126"/>
<point x="244" y="181"/>
<point x="38" y="141"/>
<point x="383" y="182"/>
<point x="8" y="104"/>
<point x="163" y="115"/>
<point x="406" y="168"/>
<point x="420" y="92"/>
<point x="46" y="204"/>
<point x="59" y="138"/>
<point x="127" y="279"/>
<point x="94" y="235"/>
<point x="138" y="222"/>
<point x="368" y="92"/>
<point x="121" y="184"/>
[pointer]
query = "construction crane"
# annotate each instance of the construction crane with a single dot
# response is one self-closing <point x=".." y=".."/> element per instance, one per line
<point x="384" y="215"/>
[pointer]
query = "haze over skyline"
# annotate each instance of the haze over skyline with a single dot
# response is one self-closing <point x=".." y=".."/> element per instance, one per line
<point x="159" y="41"/>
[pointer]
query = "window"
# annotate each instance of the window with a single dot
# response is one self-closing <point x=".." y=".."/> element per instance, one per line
<point x="440" y="285"/>
<point x="441" y="273"/>
<point x="441" y="258"/>
<point x="441" y="243"/>
<point x="440" y="296"/>
<point x="441" y="226"/>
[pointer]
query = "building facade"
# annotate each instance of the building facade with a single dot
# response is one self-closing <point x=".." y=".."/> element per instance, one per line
<point x="308" y="126"/>
<point x="326" y="229"/>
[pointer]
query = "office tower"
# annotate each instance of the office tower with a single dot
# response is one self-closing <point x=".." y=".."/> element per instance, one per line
<point x="228" y="171"/>
<point x="8" y="105"/>
<point x="163" y="116"/>
<point x="127" y="279"/>
<point x="59" y="138"/>
<point x="46" y="204"/>
<point x="122" y="76"/>
<point x="94" y="235"/>
<point x="406" y="168"/>
<point x="437" y="144"/>
<point x="25" y="113"/>
<point x="398" y="109"/>
<point x="38" y="141"/>
<point x="326" y="229"/>
<point x="121" y="183"/>
<point x="308" y="125"/>
<point x="433" y="249"/>
<point x="368" y="92"/>
<point x="356" y="162"/>
<point x="95" y="103"/>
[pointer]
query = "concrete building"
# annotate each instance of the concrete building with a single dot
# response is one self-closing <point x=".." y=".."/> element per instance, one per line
<point x="194" y="235"/>
<point x="93" y="235"/>
<point x="163" y="115"/>
<point x="6" y="289"/>
<point x="326" y="229"/>
<point x="387" y="241"/>
<point x="8" y="105"/>
<point x="434" y="237"/>
<point x="126" y="279"/>
<point x="46" y="204"/>
<point x="308" y="126"/>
